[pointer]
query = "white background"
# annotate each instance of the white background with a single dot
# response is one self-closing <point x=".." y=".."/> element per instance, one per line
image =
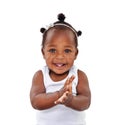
<point x="20" y="55"/>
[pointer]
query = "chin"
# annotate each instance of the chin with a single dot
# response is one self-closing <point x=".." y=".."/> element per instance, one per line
<point x="59" y="72"/>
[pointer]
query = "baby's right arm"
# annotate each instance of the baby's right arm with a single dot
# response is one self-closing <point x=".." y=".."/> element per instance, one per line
<point x="39" y="98"/>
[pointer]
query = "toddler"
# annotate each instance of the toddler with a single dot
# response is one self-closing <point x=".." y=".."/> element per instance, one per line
<point x="60" y="91"/>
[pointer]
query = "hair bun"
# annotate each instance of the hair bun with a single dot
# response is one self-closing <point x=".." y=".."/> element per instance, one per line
<point x="42" y="30"/>
<point x="61" y="17"/>
<point x="79" y="33"/>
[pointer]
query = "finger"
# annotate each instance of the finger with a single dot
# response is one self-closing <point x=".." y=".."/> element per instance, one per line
<point x="71" y="78"/>
<point x="62" y="98"/>
<point x="59" y="101"/>
<point x="56" y="102"/>
<point x="67" y="82"/>
<point x="65" y="97"/>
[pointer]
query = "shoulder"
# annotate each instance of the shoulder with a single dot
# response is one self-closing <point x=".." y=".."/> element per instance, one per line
<point x="40" y="73"/>
<point x="38" y="80"/>
<point x="37" y="83"/>
<point x="82" y="75"/>
<point x="37" y="75"/>
<point x="83" y="83"/>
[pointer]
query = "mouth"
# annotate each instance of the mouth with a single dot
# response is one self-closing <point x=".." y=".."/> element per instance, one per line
<point x="59" y="65"/>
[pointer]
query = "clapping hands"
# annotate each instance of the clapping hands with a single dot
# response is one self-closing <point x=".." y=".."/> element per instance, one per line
<point x="65" y="93"/>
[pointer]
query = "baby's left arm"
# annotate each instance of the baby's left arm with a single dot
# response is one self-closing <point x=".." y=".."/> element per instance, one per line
<point x="83" y="98"/>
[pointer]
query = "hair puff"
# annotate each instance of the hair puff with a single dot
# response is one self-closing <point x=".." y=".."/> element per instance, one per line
<point x="79" y="33"/>
<point x="42" y="30"/>
<point x="61" y="17"/>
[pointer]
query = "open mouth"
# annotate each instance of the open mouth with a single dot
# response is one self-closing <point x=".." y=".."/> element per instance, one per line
<point x="59" y="64"/>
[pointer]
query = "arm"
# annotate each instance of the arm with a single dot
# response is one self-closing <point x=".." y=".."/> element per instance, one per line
<point x="39" y="98"/>
<point x="83" y="98"/>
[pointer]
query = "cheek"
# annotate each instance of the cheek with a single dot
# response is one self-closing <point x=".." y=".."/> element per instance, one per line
<point x="71" y="57"/>
<point x="48" y="56"/>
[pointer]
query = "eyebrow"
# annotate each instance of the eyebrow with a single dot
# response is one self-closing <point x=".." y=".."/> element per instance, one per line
<point x="64" y="46"/>
<point x="51" y="45"/>
<point x="68" y="46"/>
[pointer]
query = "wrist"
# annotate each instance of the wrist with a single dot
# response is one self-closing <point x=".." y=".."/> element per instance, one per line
<point x="69" y="101"/>
<point x="58" y="94"/>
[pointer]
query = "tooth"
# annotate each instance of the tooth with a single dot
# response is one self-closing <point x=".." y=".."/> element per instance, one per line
<point x="59" y="65"/>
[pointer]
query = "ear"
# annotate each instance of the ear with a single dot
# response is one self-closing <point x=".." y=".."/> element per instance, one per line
<point x="76" y="53"/>
<point x="42" y="50"/>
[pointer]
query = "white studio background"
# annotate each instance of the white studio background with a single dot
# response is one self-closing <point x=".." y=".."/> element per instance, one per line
<point x="20" y="55"/>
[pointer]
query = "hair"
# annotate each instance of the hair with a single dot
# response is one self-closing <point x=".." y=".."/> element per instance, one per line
<point x="60" y="25"/>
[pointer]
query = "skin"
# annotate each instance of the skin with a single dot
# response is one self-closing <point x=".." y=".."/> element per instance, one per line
<point x="59" y="53"/>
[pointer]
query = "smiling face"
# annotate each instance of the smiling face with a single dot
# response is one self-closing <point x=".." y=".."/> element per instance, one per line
<point x="59" y="51"/>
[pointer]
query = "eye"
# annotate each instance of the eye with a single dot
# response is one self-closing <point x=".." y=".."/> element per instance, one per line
<point x="52" y="50"/>
<point x="67" y="50"/>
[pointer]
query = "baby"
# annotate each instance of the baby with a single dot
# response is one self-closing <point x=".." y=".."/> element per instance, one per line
<point x="60" y="91"/>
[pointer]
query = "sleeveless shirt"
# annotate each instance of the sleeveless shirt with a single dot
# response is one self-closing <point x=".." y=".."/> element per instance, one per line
<point x="60" y="114"/>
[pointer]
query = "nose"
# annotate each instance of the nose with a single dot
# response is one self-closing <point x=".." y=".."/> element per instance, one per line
<point x="60" y="55"/>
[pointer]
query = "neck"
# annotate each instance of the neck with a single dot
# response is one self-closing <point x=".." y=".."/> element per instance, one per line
<point x="58" y="77"/>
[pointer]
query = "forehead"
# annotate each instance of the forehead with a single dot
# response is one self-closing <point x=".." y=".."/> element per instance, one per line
<point x="60" y="34"/>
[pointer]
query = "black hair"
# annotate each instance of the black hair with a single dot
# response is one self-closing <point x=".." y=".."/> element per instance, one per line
<point x="60" y="24"/>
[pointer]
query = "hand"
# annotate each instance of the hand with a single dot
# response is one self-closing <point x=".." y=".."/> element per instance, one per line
<point x="67" y="86"/>
<point x="66" y="92"/>
<point x="65" y="98"/>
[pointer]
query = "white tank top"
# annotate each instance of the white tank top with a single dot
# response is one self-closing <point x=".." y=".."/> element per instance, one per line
<point x="60" y="114"/>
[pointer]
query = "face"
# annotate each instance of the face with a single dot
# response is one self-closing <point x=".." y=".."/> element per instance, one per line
<point x="59" y="51"/>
